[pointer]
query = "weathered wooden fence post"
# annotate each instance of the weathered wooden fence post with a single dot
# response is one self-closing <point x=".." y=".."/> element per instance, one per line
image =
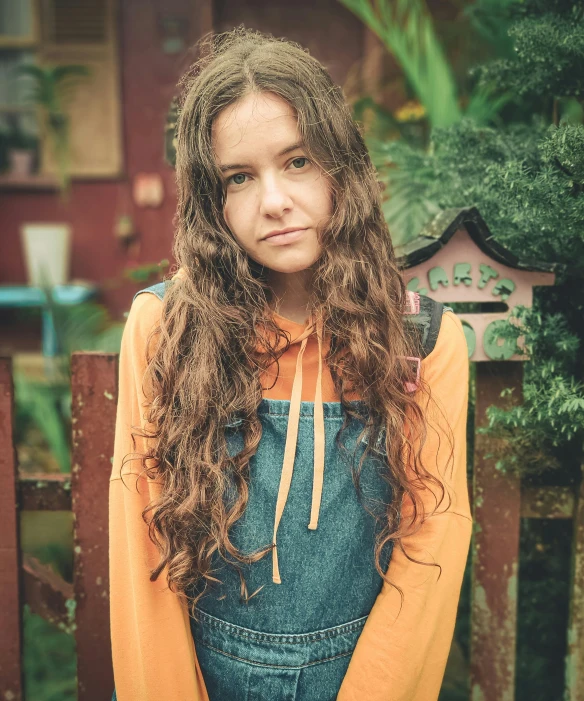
<point x="94" y="391"/>
<point x="574" y="688"/>
<point x="10" y="561"/>
<point x="497" y="512"/>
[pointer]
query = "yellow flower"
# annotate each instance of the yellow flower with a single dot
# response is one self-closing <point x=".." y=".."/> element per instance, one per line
<point x="411" y="111"/>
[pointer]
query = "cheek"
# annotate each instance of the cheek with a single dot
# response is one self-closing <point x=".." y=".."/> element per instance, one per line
<point x="237" y="219"/>
<point x="230" y="214"/>
<point x="324" y="203"/>
<point x="322" y="195"/>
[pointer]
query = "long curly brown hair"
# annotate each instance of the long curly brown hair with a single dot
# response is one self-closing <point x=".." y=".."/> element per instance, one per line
<point x="216" y="336"/>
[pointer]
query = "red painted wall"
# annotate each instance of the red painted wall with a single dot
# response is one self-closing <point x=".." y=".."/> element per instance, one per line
<point x="148" y="77"/>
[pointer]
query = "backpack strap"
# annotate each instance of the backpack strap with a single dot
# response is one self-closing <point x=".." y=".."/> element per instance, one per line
<point x="426" y="315"/>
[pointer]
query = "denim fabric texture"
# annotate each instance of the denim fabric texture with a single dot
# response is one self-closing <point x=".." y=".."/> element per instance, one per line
<point x="293" y="641"/>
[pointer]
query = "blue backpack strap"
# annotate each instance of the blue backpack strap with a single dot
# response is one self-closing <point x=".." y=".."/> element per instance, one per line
<point x="158" y="289"/>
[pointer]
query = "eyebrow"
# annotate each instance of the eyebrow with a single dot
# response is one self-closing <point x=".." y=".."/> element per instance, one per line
<point x="236" y="166"/>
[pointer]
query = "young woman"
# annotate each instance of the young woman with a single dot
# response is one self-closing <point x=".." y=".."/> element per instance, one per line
<point x="289" y="515"/>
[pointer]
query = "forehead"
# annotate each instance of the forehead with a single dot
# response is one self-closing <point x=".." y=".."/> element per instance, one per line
<point x="256" y="123"/>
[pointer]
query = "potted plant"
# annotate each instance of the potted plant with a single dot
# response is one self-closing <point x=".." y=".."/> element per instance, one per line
<point x="52" y="87"/>
<point x="21" y="148"/>
<point x="47" y="252"/>
<point x="47" y="246"/>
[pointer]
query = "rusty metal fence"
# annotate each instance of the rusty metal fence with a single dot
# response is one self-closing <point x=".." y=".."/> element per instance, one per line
<point x="498" y="501"/>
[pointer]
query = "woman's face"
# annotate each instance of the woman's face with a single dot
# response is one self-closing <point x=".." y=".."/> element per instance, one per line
<point x="270" y="184"/>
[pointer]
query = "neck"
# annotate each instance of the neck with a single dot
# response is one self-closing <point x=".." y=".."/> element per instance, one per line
<point x="291" y="294"/>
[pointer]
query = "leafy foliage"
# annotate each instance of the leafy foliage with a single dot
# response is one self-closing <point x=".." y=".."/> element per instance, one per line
<point x="49" y="661"/>
<point x="406" y="29"/>
<point x="527" y="179"/>
<point x="551" y="412"/>
<point x="52" y="87"/>
<point x="548" y="40"/>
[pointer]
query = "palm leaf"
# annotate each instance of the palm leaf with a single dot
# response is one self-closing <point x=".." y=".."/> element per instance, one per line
<point x="61" y="72"/>
<point x="43" y="403"/>
<point x="407" y="31"/>
<point x="485" y="104"/>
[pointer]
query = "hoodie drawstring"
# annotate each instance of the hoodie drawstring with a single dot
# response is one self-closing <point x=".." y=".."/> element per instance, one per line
<point x="292" y="438"/>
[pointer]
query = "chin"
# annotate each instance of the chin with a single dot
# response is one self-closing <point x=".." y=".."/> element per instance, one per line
<point x="287" y="260"/>
<point x="291" y="266"/>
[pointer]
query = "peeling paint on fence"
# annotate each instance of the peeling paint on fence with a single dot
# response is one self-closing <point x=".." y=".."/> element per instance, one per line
<point x="10" y="558"/>
<point x="574" y="675"/>
<point x="497" y="506"/>
<point x="94" y="377"/>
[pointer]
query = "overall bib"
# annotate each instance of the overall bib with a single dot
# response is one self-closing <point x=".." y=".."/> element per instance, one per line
<point x="293" y="641"/>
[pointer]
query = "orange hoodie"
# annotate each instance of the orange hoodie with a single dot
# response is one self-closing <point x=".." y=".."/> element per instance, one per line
<point x="397" y="658"/>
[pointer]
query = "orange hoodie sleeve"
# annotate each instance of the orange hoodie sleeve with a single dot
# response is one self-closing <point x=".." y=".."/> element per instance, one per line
<point x="152" y="646"/>
<point x="403" y="657"/>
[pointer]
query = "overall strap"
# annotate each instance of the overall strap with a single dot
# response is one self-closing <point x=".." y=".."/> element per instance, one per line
<point x="158" y="289"/>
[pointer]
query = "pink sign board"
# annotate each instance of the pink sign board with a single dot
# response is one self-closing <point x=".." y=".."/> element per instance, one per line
<point x="462" y="272"/>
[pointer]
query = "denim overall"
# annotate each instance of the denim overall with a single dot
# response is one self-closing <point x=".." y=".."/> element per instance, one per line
<point x="294" y="641"/>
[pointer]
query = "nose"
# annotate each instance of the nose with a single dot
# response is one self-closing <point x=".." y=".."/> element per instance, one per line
<point x="274" y="198"/>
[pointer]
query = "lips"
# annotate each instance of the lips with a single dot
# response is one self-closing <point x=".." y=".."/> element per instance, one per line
<point x="283" y="239"/>
<point x="283" y="231"/>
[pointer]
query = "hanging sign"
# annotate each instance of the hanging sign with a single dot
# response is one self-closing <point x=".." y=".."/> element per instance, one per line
<point x="470" y="267"/>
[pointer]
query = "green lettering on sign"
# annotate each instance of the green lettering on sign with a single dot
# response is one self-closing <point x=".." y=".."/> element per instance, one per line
<point x="462" y="274"/>
<point x="496" y="347"/>
<point x="471" y="337"/>
<point x="412" y="286"/>
<point x="487" y="273"/>
<point x="504" y="288"/>
<point x="437" y="276"/>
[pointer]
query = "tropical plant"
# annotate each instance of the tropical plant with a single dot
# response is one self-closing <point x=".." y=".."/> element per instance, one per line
<point x="47" y="403"/>
<point x="52" y="88"/>
<point x="407" y="31"/>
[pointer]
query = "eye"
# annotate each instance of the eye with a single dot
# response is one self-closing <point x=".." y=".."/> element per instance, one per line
<point x="298" y="163"/>
<point x="237" y="175"/>
<point x="303" y="160"/>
